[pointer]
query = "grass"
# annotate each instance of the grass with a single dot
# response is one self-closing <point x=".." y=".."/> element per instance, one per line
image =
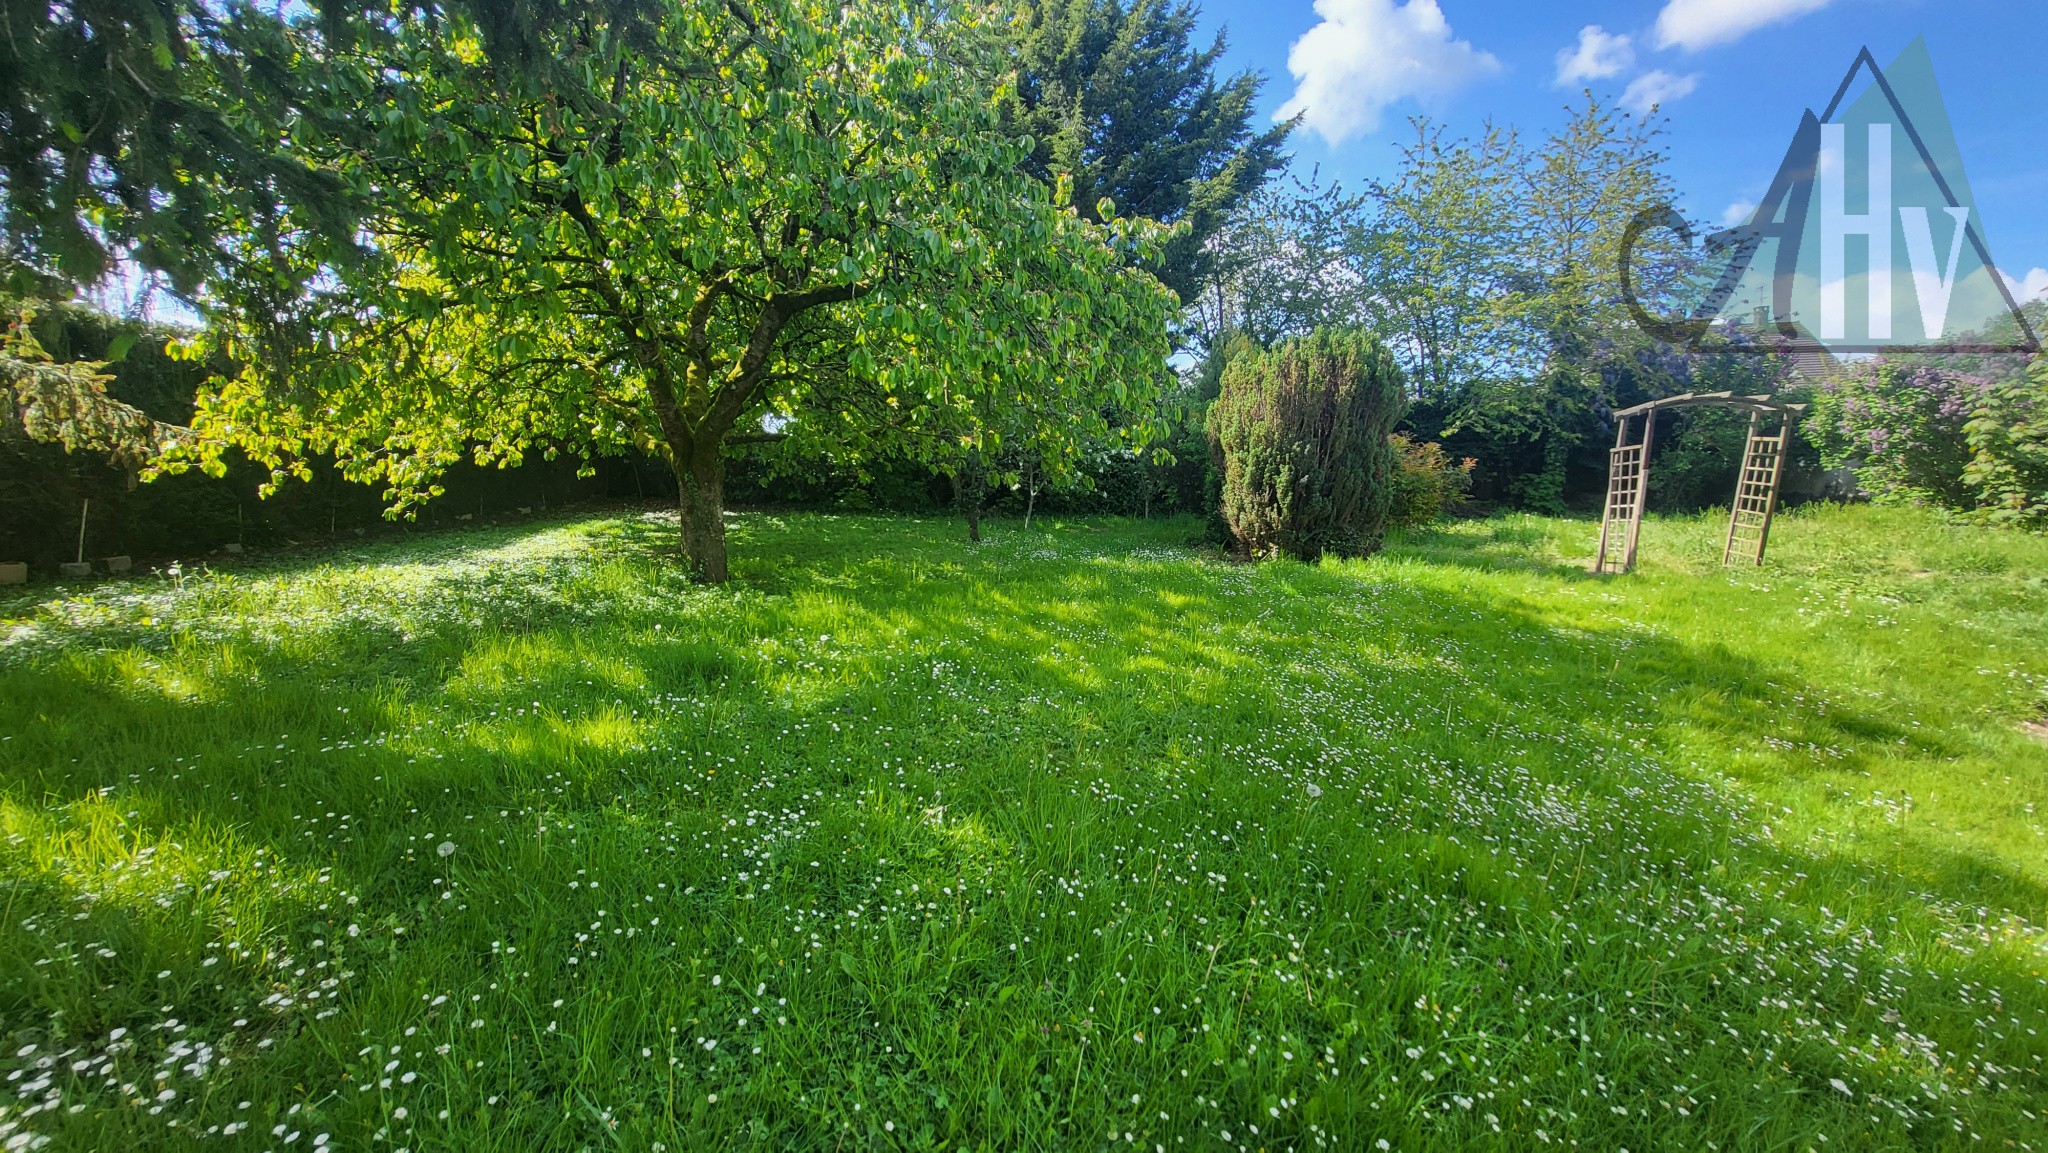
<point x="510" y="840"/>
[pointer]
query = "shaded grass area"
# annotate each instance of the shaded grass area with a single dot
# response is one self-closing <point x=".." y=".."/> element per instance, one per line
<point x="511" y="839"/>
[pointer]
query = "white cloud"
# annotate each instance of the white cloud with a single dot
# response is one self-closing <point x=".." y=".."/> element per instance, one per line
<point x="1737" y="212"/>
<point x="1599" y="55"/>
<point x="1367" y="54"/>
<point x="2024" y="288"/>
<point x="1654" y="88"/>
<point x="1696" y="24"/>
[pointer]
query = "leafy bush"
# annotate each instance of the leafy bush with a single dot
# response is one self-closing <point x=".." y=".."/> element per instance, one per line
<point x="1698" y="452"/>
<point x="2008" y="438"/>
<point x="1427" y="482"/>
<point x="44" y="490"/>
<point x="1301" y="438"/>
<point x="1900" y="426"/>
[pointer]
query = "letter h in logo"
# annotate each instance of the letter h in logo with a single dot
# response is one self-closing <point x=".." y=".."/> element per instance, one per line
<point x="1837" y="225"/>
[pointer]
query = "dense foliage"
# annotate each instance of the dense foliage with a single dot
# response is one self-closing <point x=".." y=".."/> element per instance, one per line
<point x="1961" y="431"/>
<point x="1116" y="97"/>
<point x="2008" y="438"/>
<point x="1299" y="437"/>
<point x="800" y="213"/>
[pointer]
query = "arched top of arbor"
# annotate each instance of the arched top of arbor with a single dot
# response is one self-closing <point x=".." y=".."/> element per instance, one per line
<point x="1753" y="403"/>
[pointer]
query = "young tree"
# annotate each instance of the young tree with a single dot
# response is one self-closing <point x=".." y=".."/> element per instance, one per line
<point x="794" y="210"/>
<point x="1581" y="189"/>
<point x="1439" y="259"/>
<point x="1116" y="96"/>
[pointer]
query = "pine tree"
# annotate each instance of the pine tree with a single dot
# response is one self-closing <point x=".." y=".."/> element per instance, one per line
<point x="1118" y="97"/>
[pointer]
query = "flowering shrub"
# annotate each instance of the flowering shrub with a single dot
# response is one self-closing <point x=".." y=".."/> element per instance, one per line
<point x="1900" y="426"/>
<point x="2008" y="436"/>
<point x="1426" y="482"/>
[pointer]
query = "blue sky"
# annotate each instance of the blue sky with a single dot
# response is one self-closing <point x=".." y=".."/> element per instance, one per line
<point x="1733" y="77"/>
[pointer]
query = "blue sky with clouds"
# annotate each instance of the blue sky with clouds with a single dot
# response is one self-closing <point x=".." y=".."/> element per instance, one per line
<point x="1732" y="76"/>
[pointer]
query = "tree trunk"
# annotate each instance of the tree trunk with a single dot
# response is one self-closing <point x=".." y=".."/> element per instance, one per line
<point x="968" y="485"/>
<point x="701" y="480"/>
<point x="1030" y="499"/>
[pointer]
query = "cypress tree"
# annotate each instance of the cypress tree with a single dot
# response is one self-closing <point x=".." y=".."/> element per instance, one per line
<point x="1115" y="94"/>
<point x="1299" y="436"/>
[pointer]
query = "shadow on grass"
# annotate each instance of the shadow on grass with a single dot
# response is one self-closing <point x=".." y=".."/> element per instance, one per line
<point x="1500" y="545"/>
<point x="1080" y="632"/>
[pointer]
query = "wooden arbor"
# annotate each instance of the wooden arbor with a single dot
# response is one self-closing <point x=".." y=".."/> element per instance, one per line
<point x="1756" y="486"/>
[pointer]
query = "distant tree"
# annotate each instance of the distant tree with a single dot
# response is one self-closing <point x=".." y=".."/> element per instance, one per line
<point x="1117" y="96"/>
<point x="972" y="481"/>
<point x="1021" y="442"/>
<point x="1300" y="437"/>
<point x="1278" y="268"/>
<point x="1440" y="256"/>
<point x="727" y="221"/>
<point x="1563" y="348"/>
<point x="1489" y="270"/>
<point x="1581" y="188"/>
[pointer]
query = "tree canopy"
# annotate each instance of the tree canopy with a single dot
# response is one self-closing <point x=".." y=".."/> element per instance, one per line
<point x="795" y="210"/>
<point x="1117" y="96"/>
<point x="144" y="130"/>
<point x="132" y="129"/>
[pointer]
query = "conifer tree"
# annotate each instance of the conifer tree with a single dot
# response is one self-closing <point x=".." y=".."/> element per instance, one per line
<point x="1117" y="96"/>
<point x="1300" y="438"/>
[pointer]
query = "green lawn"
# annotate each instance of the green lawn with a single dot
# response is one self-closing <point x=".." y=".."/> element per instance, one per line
<point x="511" y="840"/>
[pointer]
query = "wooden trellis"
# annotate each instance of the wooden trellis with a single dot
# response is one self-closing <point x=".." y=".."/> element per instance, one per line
<point x="1756" y="486"/>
